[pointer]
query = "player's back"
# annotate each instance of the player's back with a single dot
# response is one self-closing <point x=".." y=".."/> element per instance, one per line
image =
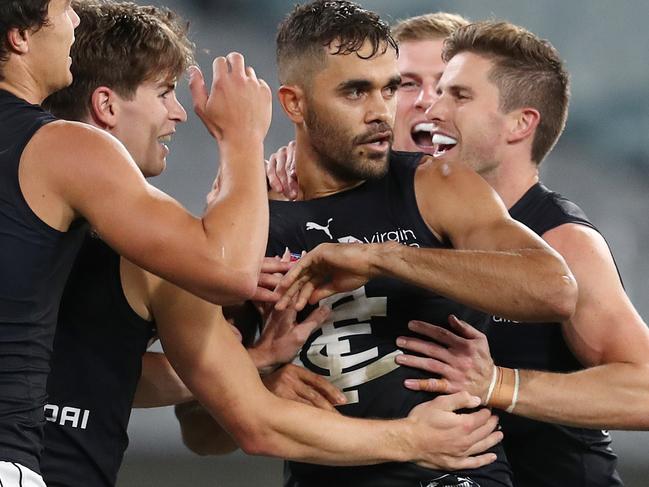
<point x="356" y="347"/>
<point x="35" y="260"/>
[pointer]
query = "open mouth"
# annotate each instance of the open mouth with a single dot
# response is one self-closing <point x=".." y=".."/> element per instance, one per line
<point x="443" y="144"/>
<point x="422" y="135"/>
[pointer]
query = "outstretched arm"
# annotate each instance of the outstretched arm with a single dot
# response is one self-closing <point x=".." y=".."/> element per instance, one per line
<point x="496" y="265"/>
<point x="204" y="436"/>
<point x="214" y="365"/>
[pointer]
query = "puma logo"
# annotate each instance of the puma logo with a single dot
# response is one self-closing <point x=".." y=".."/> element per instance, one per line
<point x="325" y="229"/>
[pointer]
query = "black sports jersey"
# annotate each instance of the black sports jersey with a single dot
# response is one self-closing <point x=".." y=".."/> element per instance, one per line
<point x="355" y="349"/>
<point x="35" y="260"/>
<point x="543" y="454"/>
<point x="96" y="366"/>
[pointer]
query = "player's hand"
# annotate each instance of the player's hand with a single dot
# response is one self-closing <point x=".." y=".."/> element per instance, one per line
<point x="448" y="440"/>
<point x="302" y="385"/>
<point x="326" y="270"/>
<point x="239" y="104"/>
<point x="282" y="337"/>
<point x="272" y="271"/>
<point x="460" y="356"/>
<point x="280" y="171"/>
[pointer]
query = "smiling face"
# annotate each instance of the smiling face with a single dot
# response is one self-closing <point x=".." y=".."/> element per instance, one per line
<point x="468" y="123"/>
<point x="421" y="67"/>
<point x="349" y="112"/>
<point x="147" y="121"/>
<point x="49" y="47"/>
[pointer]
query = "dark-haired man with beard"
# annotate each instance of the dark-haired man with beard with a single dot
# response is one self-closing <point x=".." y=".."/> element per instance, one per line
<point x="337" y="65"/>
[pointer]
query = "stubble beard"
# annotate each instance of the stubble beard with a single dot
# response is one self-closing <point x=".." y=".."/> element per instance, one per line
<point x="336" y="152"/>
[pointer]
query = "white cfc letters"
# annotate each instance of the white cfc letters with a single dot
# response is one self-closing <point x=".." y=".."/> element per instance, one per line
<point x="332" y="351"/>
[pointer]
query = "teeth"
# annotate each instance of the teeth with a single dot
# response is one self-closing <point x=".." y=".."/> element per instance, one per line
<point x="165" y="138"/>
<point x="424" y="127"/>
<point x="443" y="139"/>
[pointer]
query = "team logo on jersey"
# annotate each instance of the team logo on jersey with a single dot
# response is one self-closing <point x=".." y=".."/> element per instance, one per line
<point x="400" y="235"/>
<point x="349" y="239"/>
<point x="316" y="226"/>
<point x="331" y="351"/>
<point x="499" y="319"/>
<point x="449" y="480"/>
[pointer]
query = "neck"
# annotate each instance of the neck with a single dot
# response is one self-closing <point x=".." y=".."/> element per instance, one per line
<point x="512" y="179"/>
<point x="314" y="180"/>
<point x="19" y="82"/>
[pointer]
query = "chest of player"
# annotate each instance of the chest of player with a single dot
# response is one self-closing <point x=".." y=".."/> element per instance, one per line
<point x="357" y="344"/>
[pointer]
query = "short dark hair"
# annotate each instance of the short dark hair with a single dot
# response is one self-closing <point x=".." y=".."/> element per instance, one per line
<point x="120" y="45"/>
<point x="527" y="71"/>
<point x="311" y="27"/>
<point x="19" y="14"/>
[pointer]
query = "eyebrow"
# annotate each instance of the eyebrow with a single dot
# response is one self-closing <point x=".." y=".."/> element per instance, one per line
<point x="354" y="84"/>
<point x="458" y="88"/>
<point x="410" y="75"/>
<point x="170" y="85"/>
<point x="364" y="84"/>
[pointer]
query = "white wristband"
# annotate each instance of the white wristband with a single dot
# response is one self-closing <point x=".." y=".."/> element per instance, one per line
<point x="511" y="407"/>
<point x="490" y="391"/>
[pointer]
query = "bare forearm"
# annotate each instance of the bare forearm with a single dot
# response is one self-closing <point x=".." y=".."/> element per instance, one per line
<point x="304" y="433"/>
<point x="612" y="396"/>
<point x="236" y="219"/>
<point x="527" y="284"/>
<point x="159" y="384"/>
<point x="201" y="433"/>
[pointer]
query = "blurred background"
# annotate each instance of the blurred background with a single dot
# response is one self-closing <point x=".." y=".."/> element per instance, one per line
<point x="601" y="162"/>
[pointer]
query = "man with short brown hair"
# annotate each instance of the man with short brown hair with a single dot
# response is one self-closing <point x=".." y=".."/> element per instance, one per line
<point x="501" y="104"/>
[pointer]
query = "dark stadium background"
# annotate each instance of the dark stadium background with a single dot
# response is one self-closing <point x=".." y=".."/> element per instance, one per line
<point x="602" y="163"/>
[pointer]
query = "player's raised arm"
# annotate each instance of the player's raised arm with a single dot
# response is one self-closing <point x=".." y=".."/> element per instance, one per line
<point x="217" y="256"/>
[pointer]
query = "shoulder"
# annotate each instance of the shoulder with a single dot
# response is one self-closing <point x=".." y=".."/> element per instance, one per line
<point x="448" y="184"/>
<point x="67" y="141"/>
<point x="575" y="240"/>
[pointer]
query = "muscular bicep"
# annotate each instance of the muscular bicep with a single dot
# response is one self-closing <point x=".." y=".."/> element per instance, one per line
<point x="98" y="179"/>
<point x="605" y="328"/>
<point x="460" y="207"/>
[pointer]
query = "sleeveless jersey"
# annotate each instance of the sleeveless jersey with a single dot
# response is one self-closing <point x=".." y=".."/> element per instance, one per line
<point x="355" y="349"/>
<point x="544" y="454"/>
<point x="35" y="260"/>
<point x="96" y="367"/>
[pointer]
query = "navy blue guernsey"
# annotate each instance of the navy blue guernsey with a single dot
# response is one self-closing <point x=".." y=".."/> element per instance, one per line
<point x="355" y="349"/>
<point x="543" y="454"/>
<point x="96" y="366"/>
<point x="35" y="261"/>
